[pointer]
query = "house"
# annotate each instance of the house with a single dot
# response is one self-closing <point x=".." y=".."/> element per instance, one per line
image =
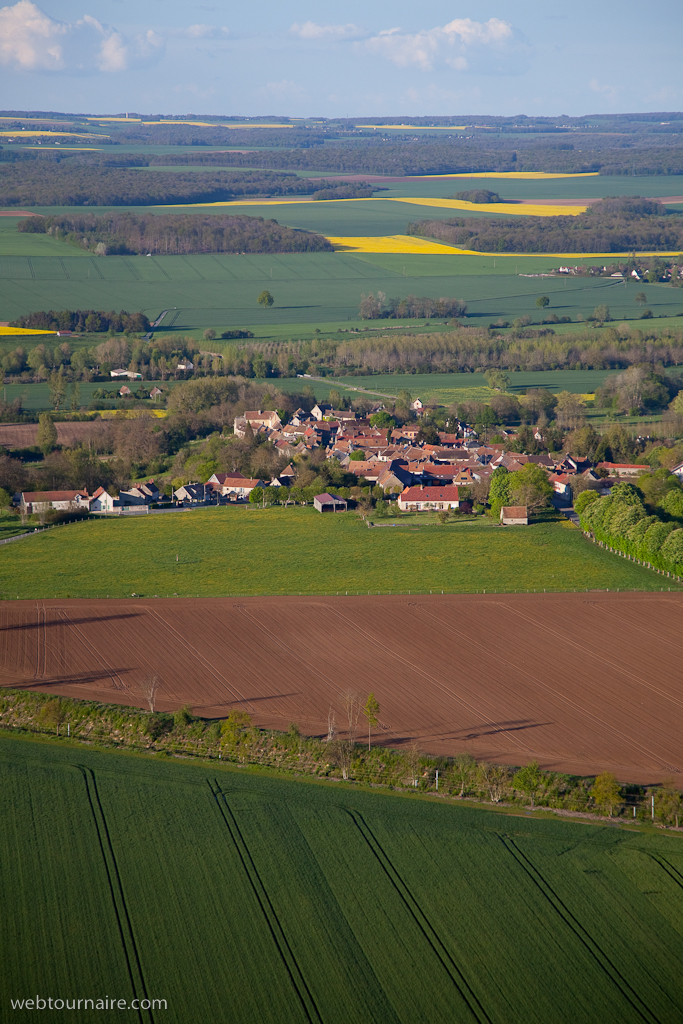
<point x="514" y="515"/>
<point x="394" y="477"/>
<point x="220" y="480"/>
<point x="125" y="373"/>
<point x="237" y="490"/>
<point x="320" y="410"/>
<point x="193" y="493"/>
<point x="560" y="482"/>
<point x="155" y="392"/>
<point x="287" y="476"/>
<point x="416" y="405"/>
<point x="678" y="471"/>
<point x="125" y="391"/>
<point x="46" y="501"/>
<point x="419" y="499"/>
<point x="101" y="501"/>
<point x="185" y="365"/>
<point x="329" y="503"/>
<point x="257" y="419"/>
<point x="369" y="470"/>
<point x="140" y="494"/>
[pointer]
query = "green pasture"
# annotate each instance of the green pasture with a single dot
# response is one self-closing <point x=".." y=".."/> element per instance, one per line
<point x="220" y="291"/>
<point x="241" y="896"/>
<point x="239" y="550"/>
<point x="542" y="188"/>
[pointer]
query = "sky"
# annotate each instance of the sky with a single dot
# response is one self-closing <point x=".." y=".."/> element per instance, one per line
<point x="355" y="59"/>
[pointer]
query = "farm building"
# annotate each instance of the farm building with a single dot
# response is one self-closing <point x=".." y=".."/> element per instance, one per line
<point x="623" y="469"/>
<point x="46" y="501"/>
<point x="514" y="515"/>
<point x="329" y="503"/>
<point x="125" y="373"/>
<point x="420" y="499"/>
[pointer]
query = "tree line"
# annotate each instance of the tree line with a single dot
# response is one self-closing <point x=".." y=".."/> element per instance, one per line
<point x="337" y="755"/>
<point x="612" y="225"/>
<point x="378" y="307"/>
<point x="88" y="183"/>
<point x="129" y="233"/>
<point x="78" y="320"/>
<point x="644" y="522"/>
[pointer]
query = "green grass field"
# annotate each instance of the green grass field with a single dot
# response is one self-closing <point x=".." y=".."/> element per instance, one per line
<point x="220" y="291"/>
<point x="238" y="550"/>
<point x="242" y="897"/>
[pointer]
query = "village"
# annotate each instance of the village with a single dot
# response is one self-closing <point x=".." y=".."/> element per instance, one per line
<point x="451" y="471"/>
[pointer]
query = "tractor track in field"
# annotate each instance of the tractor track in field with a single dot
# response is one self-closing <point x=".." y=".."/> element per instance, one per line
<point x="289" y="961"/>
<point x="123" y="918"/>
<point x="602" y="959"/>
<point x="423" y="923"/>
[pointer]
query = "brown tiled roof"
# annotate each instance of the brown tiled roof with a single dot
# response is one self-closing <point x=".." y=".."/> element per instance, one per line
<point x="514" y="512"/>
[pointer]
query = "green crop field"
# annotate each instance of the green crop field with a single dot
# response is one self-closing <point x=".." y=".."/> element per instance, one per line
<point x="278" y="550"/>
<point x="220" y="291"/>
<point x="242" y="897"/>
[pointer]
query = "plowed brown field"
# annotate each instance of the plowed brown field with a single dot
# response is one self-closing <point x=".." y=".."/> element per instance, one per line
<point x="581" y="682"/>
<point x="23" y="435"/>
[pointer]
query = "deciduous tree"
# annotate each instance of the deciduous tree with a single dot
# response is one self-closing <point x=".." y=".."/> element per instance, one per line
<point x="371" y="711"/>
<point x="606" y="792"/>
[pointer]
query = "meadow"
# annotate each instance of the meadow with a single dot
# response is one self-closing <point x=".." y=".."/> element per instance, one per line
<point x="237" y="895"/>
<point x="222" y="551"/>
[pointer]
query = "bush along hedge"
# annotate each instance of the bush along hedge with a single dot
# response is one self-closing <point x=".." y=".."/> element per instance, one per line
<point x="622" y="522"/>
<point x="235" y="740"/>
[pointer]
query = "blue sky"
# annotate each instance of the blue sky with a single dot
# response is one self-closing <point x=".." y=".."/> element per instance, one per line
<point x="351" y="59"/>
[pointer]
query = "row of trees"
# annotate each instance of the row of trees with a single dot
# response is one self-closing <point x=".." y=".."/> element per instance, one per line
<point x="652" y="533"/>
<point x="378" y="307"/>
<point x="612" y="225"/>
<point x="121" y="233"/>
<point x="92" y="321"/>
<point x="338" y="754"/>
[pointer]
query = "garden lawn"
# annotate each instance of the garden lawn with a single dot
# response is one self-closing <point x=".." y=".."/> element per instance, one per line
<point x="240" y="550"/>
<point x="234" y="895"/>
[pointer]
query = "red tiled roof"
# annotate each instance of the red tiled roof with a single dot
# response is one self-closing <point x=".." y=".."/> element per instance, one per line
<point x="448" y="492"/>
<point x="38" y="496"/>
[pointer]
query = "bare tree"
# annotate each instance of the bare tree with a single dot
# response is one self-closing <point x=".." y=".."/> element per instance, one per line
<point x="343" y="746"/>
<point x="463" y="771"/>
<point x="413" y="759"/>
<point x="148" y="689"/>
<point x="331" y="725"/>
<point x="495" y="778"/>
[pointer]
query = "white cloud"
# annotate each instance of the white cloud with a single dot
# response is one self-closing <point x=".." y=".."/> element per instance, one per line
<point x="30" y="40"/>
<point x="609" y="91"/>
<point x="462" y="44"/>
<point x="206" y="31"/>
<point x="309" y="30"/>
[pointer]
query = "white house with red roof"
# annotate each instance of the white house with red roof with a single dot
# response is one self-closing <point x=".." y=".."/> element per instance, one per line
<point x="420" y="499"/>
<point x="101" y="501"/>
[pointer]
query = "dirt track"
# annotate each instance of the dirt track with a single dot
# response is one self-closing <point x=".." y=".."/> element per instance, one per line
<point x="583" y="682"/>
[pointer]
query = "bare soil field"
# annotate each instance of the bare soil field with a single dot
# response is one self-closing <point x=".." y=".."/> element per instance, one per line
<point x="582" y="682"/>
<point x="23" y="435"/>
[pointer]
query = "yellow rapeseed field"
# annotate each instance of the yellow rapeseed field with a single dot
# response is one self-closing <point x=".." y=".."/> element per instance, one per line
<point x="518" y="209"/>
<point x="520" y="175"/>
<point x="389" y="244"/>
<point x="72" y="135"/>
<point x="22" y="330"/>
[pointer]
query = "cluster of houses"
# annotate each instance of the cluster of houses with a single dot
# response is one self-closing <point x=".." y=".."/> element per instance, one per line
<point x="423" y="476"/>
